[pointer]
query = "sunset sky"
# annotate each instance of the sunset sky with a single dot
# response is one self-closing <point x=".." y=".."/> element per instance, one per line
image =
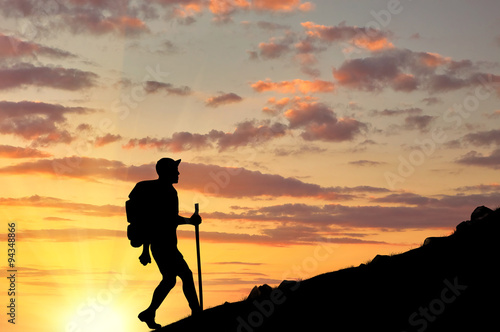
<point x="313" y="134"/>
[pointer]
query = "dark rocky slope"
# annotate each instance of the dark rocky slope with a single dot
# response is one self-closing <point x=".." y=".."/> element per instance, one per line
<point x="448" y="284"/>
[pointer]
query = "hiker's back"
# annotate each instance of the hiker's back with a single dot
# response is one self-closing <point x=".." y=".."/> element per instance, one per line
<point x="157" y="207"/>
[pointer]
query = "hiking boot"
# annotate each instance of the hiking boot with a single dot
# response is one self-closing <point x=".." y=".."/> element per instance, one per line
<point x="148" y="317"/>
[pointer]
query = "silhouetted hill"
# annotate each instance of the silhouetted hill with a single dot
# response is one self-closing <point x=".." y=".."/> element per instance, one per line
<point x="448" y="284"/>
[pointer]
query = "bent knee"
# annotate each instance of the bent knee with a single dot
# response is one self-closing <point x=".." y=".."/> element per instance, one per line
<point x="168" y="282"/>
<point x="186" y="275"/>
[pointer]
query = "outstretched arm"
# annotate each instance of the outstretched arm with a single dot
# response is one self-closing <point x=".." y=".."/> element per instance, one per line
<point x="145" y="257"/>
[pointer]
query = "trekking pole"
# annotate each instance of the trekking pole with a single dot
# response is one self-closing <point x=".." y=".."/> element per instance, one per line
<point x="197" y="231"/>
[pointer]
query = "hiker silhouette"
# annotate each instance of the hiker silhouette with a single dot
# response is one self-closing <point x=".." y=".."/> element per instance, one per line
<point x="159" y="212"/>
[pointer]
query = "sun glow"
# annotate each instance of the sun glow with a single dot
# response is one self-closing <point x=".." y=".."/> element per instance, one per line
<point x="93" y="320"/>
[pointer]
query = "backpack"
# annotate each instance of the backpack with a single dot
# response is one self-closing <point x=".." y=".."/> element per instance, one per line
<point x="136" y="230"/>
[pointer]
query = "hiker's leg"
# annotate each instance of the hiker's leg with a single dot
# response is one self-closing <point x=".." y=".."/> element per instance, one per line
<point x="161" y="292"/>
<point x="188" y="288"/>
<point x="168" y="278"/>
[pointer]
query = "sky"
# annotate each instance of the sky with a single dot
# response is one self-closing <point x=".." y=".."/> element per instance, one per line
<point x="313" y="134"/>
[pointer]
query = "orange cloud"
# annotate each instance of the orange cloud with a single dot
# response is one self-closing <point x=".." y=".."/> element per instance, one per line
<point x="433" y="59"/>
<point x="282" y="5"/>
<point x="96" y="24"/>
<point x="106" y="139"/>
<point x="373" y="40"/>
<point x="8" y="151"/>
<point x="223" y="99"/>
<point x="223" y="9"/>
<point x="293" y="86"/>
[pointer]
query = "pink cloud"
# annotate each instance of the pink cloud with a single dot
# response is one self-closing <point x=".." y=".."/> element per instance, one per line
<point x="409" y="211"/>
<point x="41" y="123"/>
<point x="79" y="16"/>
<point x="273" y="49"/>
<point x="277" y="237"/>
<point x="246" y="133"/>
<point x="11" y="47"/>
<point x="23" y="74"/>
<point x="319" y="122"/>
<point x="223" y="99"/>
<point x="277" y="46"/>
<point x="180" y="141"/>
<point x="211" y="180"/>
<point x="405" y="70"/>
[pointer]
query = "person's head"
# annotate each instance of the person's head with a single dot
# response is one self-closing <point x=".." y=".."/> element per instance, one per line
<point x="167" y="169"/>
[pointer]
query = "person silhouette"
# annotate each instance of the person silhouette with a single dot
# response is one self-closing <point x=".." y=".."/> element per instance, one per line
<point x="161" y="217"/>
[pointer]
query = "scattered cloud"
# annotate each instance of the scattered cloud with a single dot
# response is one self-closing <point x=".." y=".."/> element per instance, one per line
<point x="70" y="234"/>
<point x="361" y="37"/>
<point x="12" y="47"/>
<point x="411" y="211"/>
<point x="366" y="163"/>
<point x="223" y="99"/>
<point x="298" y="235"/>
<point x="106" y="139"/>
<point x="237" y="263"/>
<point x="429" y="101"/>
<point x="272" y="26"/>
<point x="64" y="206"/>
<point x="168" y="88"/>
<point x="223" y="10"/>
<point x="493" y="187"/>
<point x="246" y="133"/>
<point x="276" y="47"/>
<point x="41" y="123"/>
<point x="93" y="22"/>
<point x="405" y="70"/>
<point x="23" y="74"/>
<point x="483" y="138"/>
<point x="395" y="112"/>
<point x="319" y="122"/>
<point x="77" y="17"/>
<point x="406" y="198"/>
<point x="293" y="86"/>
<point x="8" y="151"/>
<point x="418" y="122"/>
<point x="211" y="180"/>
<point x="474" y="158"/>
